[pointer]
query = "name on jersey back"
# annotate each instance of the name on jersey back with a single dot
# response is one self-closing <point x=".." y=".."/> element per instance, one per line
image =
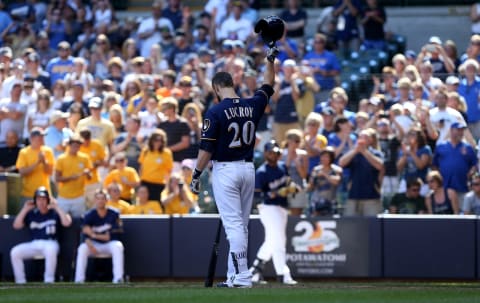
<point x="238" y="112"/>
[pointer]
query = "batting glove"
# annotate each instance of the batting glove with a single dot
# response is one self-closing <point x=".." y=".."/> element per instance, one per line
<point x="272" y="53"/>
<point x="195" y="184"/>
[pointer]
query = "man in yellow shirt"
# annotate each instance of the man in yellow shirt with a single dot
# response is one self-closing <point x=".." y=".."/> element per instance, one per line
<point x="145" y="206"/>
<point x="72" y="170"/>
<point x="96" y="152"/>
<point x="102" y="129"/>
<point x="114" y="201"/>
<point x="124" y="175"/>
<point x="35" y="164"/>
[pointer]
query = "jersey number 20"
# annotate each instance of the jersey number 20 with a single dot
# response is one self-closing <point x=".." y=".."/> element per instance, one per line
<point x="245" y="135"/>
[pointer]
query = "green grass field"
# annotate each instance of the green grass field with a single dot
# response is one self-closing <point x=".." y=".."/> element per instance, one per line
<point x="173" y="292"/>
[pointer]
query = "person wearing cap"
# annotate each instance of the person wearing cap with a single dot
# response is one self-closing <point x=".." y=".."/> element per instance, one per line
<point x="58" y="132"/>
<point x="35" y="70"/>
<point x="72" y="169"/>
<point x="434" y="52"/>
<point x="79" y="73"/>
<point x="102" y="129"/>
<point x="235" y="26"/>
<point x="456" y="160"/>
<point x="469" y="89"/>
<point x="35" y="164"/>
<point x="149" y="29"/>
<point x="13" y="111"/>
<point x="285" y="116"/>
<point x="42" y="217"/>
<point x="272" y="190"/>
<point x="77" y="97"/>
<point x="59" y="66"/>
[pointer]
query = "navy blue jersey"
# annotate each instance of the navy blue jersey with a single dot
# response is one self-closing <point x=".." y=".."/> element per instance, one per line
<point x="229" y="127"/>
<point x="109" y="224"/>
<point x="268" y="180"/>
<point x="42" y="226"/>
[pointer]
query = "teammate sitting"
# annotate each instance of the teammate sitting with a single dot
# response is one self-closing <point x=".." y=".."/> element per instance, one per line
<point x="42" y="216"/>
<point x="101" y="226"/>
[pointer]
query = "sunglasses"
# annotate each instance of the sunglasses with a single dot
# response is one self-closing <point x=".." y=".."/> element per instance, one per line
<point x="119" y="160"/>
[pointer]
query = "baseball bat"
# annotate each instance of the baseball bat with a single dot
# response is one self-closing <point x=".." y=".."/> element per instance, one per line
<point x="213" y="258"/>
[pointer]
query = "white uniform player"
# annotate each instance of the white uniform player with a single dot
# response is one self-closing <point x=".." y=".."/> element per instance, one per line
<point x="272" y="186"/>
<point x="42" y="217"/>
<point x="101" y="226"/>
<point x="228" y="138"/>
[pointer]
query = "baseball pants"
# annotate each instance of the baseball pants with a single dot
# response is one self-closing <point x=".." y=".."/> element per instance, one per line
<point x="274" y="220"/>
<point x="113" y="248"/>
<point x="46" y="248"/>
<point x="233" y="186"/>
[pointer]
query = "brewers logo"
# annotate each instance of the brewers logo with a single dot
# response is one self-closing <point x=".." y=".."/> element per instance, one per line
<point x="316" y="240"/>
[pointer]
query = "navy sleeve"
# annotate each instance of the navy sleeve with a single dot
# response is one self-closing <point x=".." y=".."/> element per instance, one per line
<point x="210" y="131"/>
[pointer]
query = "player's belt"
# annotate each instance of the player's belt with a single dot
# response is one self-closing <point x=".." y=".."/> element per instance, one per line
<point x="244" y="160"/>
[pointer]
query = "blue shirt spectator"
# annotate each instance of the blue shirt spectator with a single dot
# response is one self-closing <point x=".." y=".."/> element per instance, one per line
<point x="59" y="66"/>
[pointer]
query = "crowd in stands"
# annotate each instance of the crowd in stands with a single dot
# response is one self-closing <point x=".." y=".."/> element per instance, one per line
<point x="89" y="101"/>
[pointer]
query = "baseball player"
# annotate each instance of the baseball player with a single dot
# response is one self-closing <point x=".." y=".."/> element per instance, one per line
<point x="272" y="186"/>
<point x="101" y="226"/>
<point x="42" y="216"/>
<point x="228" y="138"/>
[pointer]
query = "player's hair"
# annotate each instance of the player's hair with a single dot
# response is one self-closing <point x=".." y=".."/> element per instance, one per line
<point x="103" y="192"/>
<point x="330" y="151"/>
<point x="222" y="79"/>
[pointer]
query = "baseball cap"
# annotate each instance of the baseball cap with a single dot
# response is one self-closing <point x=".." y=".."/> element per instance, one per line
<point x="289" y="62"/>
<point x="78" y="83"/>
<point x="95" y="102"/>
<point x="410" y="106"/>
<point x="228" y="44"/>
<point x="206" y="51"/>
<point x="6" y="51"/>
<point x="57" y="115"/>
<point x="435" y="40"/>
<point x="272" y="145"/>
<point x="33" y="57"/>
<point x="458" y="125"/>
<point x="75" y="138"/>
<point x="238" y="43"/>
<point x="452" y="80"/>
<point x="37" y="131"/>
<point x="411" y="54"/>
<point x="185" y="80"/>
<point x="63" y="45"/>
<point x="328" y="110"/>
<point x="179" y="33"/>
<point x="374" y="101"/>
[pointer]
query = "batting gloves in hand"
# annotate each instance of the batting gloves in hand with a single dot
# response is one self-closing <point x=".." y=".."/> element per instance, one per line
<point x="195" y="184"/>
<point x="272" y="53"/>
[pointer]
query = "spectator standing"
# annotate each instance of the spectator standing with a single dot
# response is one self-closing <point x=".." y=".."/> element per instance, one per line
<point x="441" y="200"/>
<point x="101" y="128"/>
<point x="96" y="152"/>
<point x="57" y="133"/>
<point x="126" y="176"/>
<point x="58" y="27"/>
<point x="71" y="171"/>
<point x="9" y="153"/>
<point x="35" y="164"/>
<point x="414" y="159"/>
<point x="409" y="202"/>
<point x="43" y="217"/>
<point x="131" y="142"/>
<point x="314" y="141"/>
<point x="12" y="113"/>
<point x="77" y="98"/>
<point x="324" y="64"/>
<point x="235" y="27"/>
<point x="156" y="163"/>
<point x="346" y="12"/>
<point x="192" y="114"/>
<point x="475" y="18"/>
<point x="469" y="89"/>
<point x="296" y="161"/>
<point x="295" y="18"/>
<point x="366" y="165"/>
<point x="323" y="182"/>
<point x="471" y="202"/>
<point x="61" y="65"/>
<point x="150" y="117"/>
<point x="176" y="129"/>
<point x="101" y="227"/>
<point x="285" y="115"/>
<point x="373" y="19"/>
<point x="181" y="51"/>
<point x="143" y="205"/>
<point x="456" y="160"/>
